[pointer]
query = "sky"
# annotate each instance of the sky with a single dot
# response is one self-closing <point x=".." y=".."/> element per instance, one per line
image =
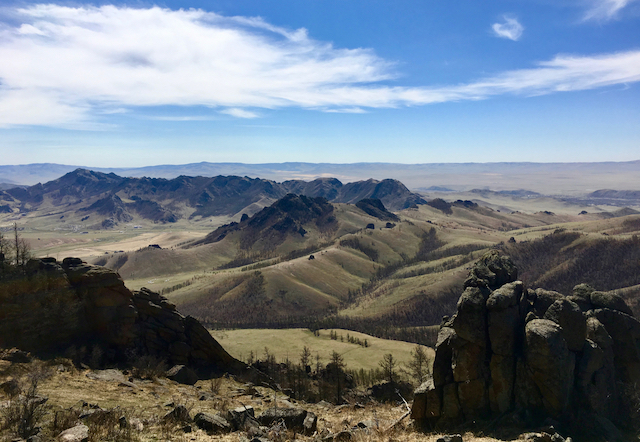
<point x="115" y="84"/>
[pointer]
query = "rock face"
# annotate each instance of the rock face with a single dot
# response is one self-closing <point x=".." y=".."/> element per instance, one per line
<point x="535" y="353"/>
<point x="58" y="305"/>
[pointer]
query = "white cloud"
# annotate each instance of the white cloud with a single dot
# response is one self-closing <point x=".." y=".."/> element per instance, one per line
<point x="510" y="28"/>
<point x="179" y="118"/>
<point x="68" y="67"/>
<point x="347" y="110"/>
<point x="605" y="9"/>
<point x="239" y="113"/>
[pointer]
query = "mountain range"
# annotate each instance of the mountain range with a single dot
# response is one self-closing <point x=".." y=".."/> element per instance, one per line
<point x="112" y="199"/>
<point x="547" y="178"/>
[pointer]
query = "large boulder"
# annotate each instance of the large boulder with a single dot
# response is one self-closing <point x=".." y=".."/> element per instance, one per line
<point x="293" y="418"/>
<point x="182" y="375"/>
<point x="426" y="402"/>
<point x="625" y="333"/>
<point x="610" y="301"/>
<point x="550" y="364"/>
<point x="469" y="361"/>
<point x="568" y="315"/>
<point x="492" y="271"/>
<point x="451" y="409"/>
<point x="543" y="300"/>
<point x="598" y="333"/>
<point x="41" y="311"/>
<point x="472" y="315"/>
<point x="212" y="423"/>
<point x="108" y="303"/>
<point x="529" y="356"/>
<point x="503" y="376"/>
<point x="581" y="295"/>
<point x="442" y="369"/>
<point x="596" y="380"/>
<point x="504" y="321"/>
<point x="79" y="433"/>
<point x="474" y="398"/>
<point x="55" y="306"/>
<point x="526" y="393"/>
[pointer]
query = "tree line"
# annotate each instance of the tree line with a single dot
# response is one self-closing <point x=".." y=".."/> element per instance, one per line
<point x="311" y="380"/>
<point x="15" y="252"/>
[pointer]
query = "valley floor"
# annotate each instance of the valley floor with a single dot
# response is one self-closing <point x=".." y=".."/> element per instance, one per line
<point x="287" y="344"/>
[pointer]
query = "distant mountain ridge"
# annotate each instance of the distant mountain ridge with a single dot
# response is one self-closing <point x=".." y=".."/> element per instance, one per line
<point x="545" y="178"/>
<point x="162" y="200"/>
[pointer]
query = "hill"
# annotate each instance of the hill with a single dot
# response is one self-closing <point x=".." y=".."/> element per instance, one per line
<point x="296" y="260"/>
<point x="270" y="227"/>
<point x="398" y="281"/>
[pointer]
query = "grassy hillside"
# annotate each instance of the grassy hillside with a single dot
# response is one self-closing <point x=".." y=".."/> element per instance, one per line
<point x="388" y="272"/>
<point x="564" y="259"/>
<point x="288" y="344"/>
<point x="389" y="277"/>
<point x="407" y="275"/>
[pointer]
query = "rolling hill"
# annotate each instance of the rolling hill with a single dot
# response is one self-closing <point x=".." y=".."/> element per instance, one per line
<point x="372" y="256"/>
<point x="397" y="281"/>
<point x="408" y="272"/>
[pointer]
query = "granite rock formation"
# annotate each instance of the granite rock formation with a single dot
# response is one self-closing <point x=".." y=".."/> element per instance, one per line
<point x="58" y="305"/>
<point x="529" y="354"/>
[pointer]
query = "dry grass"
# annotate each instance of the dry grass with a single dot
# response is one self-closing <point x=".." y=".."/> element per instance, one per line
<point x="71" y="391"/>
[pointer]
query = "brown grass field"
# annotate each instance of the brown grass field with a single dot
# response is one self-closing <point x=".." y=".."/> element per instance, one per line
<point x="147" y="401"/>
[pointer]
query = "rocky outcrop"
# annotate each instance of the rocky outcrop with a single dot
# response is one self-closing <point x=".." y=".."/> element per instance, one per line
<point x="374" y="207"/>
<point x="533" y="354"/>
<point x="59" y="305"/>
<point x="272" y="225"/>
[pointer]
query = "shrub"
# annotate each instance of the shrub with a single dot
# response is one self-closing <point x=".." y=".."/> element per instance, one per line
<point x="148" y="367"/>
<point x="24" y="414"/>
<point x="110" y="426"/>
<point x="63" y="420"/>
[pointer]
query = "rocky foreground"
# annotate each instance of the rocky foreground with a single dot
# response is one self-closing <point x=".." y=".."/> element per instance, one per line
<point x="511" y="360"/>
<point x="519" y="357"/>
<point x="55" y="306"/>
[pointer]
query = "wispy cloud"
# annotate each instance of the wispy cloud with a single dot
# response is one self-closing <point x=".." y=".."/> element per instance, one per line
<point x="605" y="9"/>
<point x="347" y="110"/>
<point x="239" y="113"/>
<point x="510" y="28"/>
<point x="68" y="67"/>
<point x="179" y="118"/>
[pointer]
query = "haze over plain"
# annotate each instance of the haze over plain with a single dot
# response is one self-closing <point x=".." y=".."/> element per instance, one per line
<point x="115" y="85"/>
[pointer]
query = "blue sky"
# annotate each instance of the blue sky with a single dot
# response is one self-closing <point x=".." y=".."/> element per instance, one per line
<point x="133" y="84"/>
